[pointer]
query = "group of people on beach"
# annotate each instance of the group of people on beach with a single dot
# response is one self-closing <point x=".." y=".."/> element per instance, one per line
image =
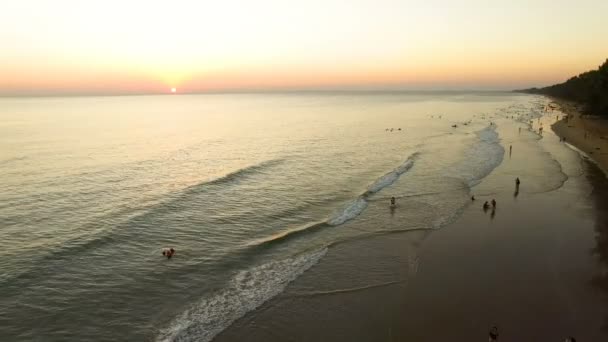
<point x="486" y="204"/>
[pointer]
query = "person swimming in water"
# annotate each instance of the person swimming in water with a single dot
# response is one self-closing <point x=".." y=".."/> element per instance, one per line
<point x="168" y="252"/>
<point x="393" y="201"/>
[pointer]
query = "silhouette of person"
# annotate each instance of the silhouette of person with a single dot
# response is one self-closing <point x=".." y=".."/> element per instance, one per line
<point x="493" y="334"/>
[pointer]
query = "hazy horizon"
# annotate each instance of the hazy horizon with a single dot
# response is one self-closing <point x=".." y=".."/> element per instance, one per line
<point x="68" y="47"/>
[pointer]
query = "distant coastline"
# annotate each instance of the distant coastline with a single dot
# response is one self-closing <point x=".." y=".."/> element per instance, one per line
<point x="589" y="89"/>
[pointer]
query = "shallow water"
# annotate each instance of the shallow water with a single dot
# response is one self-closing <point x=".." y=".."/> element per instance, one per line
<point x="250" y="189"/>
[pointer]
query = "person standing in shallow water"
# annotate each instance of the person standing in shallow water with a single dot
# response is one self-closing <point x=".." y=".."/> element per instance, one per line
<point x="517" y="182"/>
<point x="493" y="203"/>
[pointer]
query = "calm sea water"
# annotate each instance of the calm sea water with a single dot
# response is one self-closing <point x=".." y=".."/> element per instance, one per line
<point x="251" y="190"/>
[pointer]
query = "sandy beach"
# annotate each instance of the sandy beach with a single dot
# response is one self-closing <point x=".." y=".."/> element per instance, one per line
<point x="534" y="267"/>
<point x="587" y="133"/>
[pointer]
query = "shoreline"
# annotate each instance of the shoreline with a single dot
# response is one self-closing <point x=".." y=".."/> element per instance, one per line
<point x="535" y="267"/>
<point x="588" y="134"/>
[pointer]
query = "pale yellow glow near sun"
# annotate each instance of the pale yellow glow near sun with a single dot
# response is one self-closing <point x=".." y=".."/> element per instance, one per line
<point x="143" y="46"/>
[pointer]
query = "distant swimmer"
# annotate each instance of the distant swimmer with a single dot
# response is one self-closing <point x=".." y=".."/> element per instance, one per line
<point x="493" y="203"/>
<point x="473" y="198"/>
<point x="393" y="202"/>
<point x="168" y="252"/>
<point x="493" y="334"/>
<point x="399" y="128"/>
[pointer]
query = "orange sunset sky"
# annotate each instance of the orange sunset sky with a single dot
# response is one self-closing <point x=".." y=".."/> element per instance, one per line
<point x="124" y="47"/>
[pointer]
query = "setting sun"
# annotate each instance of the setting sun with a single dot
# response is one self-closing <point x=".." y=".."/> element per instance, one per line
<point x="173" y="90"/>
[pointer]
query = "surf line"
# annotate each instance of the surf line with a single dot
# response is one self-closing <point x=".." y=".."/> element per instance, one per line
<point x="350" y="211"/>
<point x="358" y="205"/>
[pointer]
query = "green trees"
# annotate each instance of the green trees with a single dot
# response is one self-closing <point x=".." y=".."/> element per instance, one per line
<point x="589" y="88"/>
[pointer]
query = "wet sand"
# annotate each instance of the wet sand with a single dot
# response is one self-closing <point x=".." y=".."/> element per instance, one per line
<point x="535" y="267"/>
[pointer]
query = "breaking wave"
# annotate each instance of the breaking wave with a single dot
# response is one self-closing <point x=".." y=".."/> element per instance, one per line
<point x="245" y="292"/>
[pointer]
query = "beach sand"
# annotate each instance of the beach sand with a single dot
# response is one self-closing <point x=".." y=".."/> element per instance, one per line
<point x="535" y="267"/>
<point x="588" y="134"/>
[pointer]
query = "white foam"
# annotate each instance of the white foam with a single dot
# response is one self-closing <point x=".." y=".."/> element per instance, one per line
<point x="481" y="158"/>
<point x="392" y="176"/>
<point x="245" y="292"/>
<point x="352" y="210"/>
<point x="356" y="206"/>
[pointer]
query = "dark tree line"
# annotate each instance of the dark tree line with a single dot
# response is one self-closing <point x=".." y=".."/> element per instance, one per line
<point x="589" y="89"/>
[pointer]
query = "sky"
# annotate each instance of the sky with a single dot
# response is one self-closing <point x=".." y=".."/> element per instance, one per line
<point x="132" y="46"/>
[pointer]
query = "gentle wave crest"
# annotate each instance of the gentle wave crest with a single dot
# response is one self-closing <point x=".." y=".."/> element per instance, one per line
<point x="481" y="158"/>
<point x="355" y="207"/>
<point x="352" y="209"/>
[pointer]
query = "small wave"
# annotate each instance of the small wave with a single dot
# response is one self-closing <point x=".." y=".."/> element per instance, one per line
<point x="355" y="207"/>
<point x="347" y="290"/>
<point x="12" y="160"/>
<point x="392" y="176"/>
<point x="245" y="292"/>
<point x="352" y="209"/>
<point x="420" y="194"/>
<point x="381" y="232"/>
<point x="585" y="156"/>
<point x="238" y="174"/>
<point x="281" y="236"/>
<point x="480" y="159"/>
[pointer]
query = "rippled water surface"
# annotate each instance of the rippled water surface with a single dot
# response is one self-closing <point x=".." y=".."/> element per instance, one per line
<point x="251" y="190"/>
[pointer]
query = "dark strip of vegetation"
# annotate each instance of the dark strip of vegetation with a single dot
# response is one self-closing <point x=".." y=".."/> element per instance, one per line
<point x="589" y="89"/>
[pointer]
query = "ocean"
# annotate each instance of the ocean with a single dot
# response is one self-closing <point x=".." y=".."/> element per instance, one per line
<point x="251" y="190"/>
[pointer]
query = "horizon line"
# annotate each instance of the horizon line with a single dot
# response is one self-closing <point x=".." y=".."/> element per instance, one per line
<point x="264" y="91"/>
